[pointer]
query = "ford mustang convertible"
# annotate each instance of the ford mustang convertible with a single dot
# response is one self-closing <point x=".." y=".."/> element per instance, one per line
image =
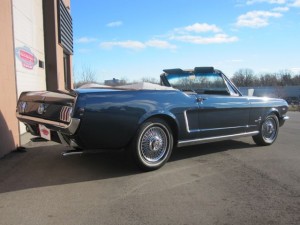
<point x="189" y="107"/>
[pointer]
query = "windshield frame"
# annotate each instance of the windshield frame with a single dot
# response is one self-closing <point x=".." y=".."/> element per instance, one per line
<point x="229" y="85"/>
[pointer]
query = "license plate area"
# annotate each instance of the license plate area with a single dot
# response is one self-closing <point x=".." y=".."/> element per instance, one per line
<point x="45" y="132"/>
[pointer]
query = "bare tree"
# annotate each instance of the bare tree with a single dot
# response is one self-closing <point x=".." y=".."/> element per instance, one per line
<point x="150" y="80"/>
<point x="268" y="80"/>
<point x="296" y="80"/>
<point x="244" y="78"/>
<point x="87" y="75"/>
<point x="285" y="78"/>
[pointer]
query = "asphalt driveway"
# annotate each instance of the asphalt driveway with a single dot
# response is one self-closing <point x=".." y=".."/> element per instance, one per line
<point x="229" y="182"/>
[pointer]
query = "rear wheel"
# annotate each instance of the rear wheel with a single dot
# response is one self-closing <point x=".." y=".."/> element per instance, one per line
<point x="268" y="131"/>
<point x="152" y="146"/>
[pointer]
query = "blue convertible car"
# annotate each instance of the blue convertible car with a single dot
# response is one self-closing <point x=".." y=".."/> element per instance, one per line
<point x="189" y="107"/>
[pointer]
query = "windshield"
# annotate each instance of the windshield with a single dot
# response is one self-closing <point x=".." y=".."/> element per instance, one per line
<point x="211" y="83"/>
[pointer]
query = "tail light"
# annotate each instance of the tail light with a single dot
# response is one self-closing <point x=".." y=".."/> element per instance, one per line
<point x="66" y="113"/>
<point x="22" y="107"/>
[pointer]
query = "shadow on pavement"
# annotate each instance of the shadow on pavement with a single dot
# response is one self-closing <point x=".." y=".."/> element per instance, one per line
<point x="44" y="166"/>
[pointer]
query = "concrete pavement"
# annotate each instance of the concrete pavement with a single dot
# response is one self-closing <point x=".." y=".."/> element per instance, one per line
<point x="229" y="182"/>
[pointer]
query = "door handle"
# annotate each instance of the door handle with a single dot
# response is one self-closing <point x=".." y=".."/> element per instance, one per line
<point x="201" y="99"/>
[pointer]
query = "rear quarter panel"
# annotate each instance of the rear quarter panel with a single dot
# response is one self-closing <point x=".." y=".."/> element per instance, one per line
<point x="112" y="118"/>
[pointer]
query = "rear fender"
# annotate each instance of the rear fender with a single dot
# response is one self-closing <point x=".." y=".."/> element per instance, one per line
<point x="168" y="117"/>
<point x="157" y="113"/>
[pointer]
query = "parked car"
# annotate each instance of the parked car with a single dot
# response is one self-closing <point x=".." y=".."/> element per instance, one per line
<point x="190" y="107"/>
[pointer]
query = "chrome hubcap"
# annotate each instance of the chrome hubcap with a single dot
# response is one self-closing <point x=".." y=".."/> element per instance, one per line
<point x="154" y="144"/>
<point x="269" y="130"/>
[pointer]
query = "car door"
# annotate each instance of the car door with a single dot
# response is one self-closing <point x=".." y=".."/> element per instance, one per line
<point x="222" y="111"/>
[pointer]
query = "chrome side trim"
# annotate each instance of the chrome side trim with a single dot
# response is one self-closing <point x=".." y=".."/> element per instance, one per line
<point x="68" y="128"/>
<point x="186" y="122"/>
<point x="213" y="139"/>
<point x="225" y="128"/>
<point x="210" y="129"/>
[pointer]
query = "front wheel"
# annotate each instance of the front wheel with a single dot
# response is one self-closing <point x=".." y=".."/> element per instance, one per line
<point x="268" y="131"/>
<point x="152" y="146"/>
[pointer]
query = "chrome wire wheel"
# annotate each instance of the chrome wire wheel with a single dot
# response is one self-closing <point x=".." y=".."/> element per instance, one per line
<point x="154" y="144"/>
<point x="269" y="130"/>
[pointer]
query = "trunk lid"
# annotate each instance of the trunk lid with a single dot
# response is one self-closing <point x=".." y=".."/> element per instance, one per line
<point x="55" y="106"/>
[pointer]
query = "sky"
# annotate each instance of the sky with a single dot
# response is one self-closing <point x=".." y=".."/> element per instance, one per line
<point x="135" y="39"/>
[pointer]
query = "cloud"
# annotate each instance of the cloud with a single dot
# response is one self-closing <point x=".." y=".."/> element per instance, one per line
<point x="296" y="3"/>
<point x="199" y="28"/>
<point x="295" y="70"/>
<point x="281" y="9"/>
<point x="115" y="24"/>
<point x="160" y="44"/>
<point x="85" y="40"/>
<point x="250" y="2"/>
<point x="256" y="19"/>
<point x="135" y="45"/>
<point x="211" y="34"/>
<point x="188" y="34"/>
<point x="216" y="39"/>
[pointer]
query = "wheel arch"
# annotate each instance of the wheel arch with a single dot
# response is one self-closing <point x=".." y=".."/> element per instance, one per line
<point x="272" y="111"/>
<point x="170" y="119"/>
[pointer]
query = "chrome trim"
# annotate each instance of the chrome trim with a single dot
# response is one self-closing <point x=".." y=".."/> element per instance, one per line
<point x="41" y="109"/>
<point x="285" y="118"/>
<point x="66" y="128"/>
<point x="22" y="106"/>
<point x="212" y="139"/>
<point x="225" y="128"/>
<point x="258" y="120"/>
<point x="186" y="122"/>
<point x="65" y="113"/>
<point x="210" y="129"/>
<point x="72" y="152"/>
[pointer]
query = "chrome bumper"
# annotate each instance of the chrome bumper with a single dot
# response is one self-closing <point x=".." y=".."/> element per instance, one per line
<point x="285" y="118"/>
<point x="282" y="120"/>
<point x="53" y="125"/>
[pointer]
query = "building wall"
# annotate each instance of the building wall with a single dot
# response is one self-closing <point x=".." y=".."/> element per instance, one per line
<point x="31" y="59"/>
<point x="54" y="56"/>
<point x="29" y="33"/>
<point x="9" y="130"/>
<point x="29" y="39"/>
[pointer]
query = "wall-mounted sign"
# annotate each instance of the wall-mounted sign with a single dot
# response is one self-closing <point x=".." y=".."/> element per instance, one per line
<point x="26" y="57"/>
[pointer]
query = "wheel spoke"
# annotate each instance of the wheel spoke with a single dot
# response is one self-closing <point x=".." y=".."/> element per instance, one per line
<point x="154" y="144"/>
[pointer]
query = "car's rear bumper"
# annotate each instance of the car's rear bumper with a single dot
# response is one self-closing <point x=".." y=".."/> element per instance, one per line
<point x="69" y="129"/>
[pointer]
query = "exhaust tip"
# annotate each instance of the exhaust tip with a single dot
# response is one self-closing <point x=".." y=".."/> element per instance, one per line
<point x="72" y="152"/>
